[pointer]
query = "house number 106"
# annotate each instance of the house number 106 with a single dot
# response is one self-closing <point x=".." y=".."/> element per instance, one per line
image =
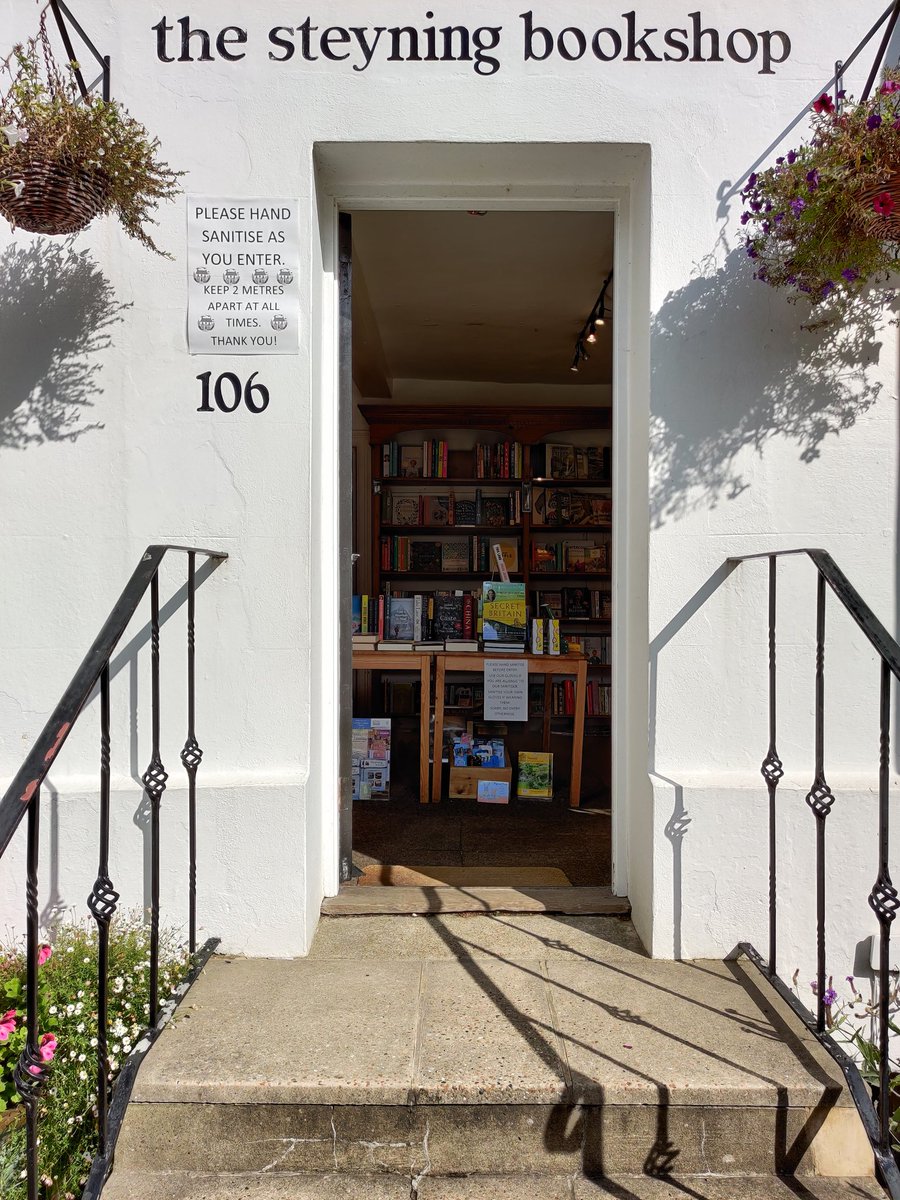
<point x="228" y="391"/>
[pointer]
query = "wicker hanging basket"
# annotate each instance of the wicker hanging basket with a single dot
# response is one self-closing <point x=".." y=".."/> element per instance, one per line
<point x="57" y="197"/>
<point x="888" y="227"/>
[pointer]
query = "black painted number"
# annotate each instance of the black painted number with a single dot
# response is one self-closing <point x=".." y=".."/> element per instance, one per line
<point x="228" y="391"/>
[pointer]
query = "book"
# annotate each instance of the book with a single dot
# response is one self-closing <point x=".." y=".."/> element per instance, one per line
<point x="509" y="551"/>
<point x="576" y="602"/>
<point x="464" y="647"/>
<point x="399" y="647"/>
<point x="401" y="622"/>
<point x="561" y="462"/>
<point x="503" y="614"/>
<point x="448" y="617"/>
<point x="365" y="640"/>
<point x="553" y="637"/>
<point x="370" y="744"/>
<point x="404" y="511"/>
<point x="455" y="556"/>
<point x="494" y="511"/>
<point x="537" y="636"/>
<point x="437" y="510"/>
<point x="535" y="779"/>
<point x="356" y="614"/>
<point x="426" y="557"/>
<point x="464" y="512"/>
<point x="493" y="791"/>
<point x="410" y="462"/>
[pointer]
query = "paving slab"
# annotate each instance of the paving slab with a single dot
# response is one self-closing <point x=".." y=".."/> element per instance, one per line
<point x="289" y="1031"/>
<point x="685" y="1033"/>
<point x="506" y="936"/>
<point x="725" y="1187"/>
<point x="487" y="1036"/>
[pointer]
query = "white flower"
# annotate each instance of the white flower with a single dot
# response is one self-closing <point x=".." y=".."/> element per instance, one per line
<point x="81" y="1075"/>
<point x="79" y="1028"/>
<point x="15" y="134"/>
<point x="52" y="1010"/>
<point x="81" y="1058"/>
<point x="118" y="984"/>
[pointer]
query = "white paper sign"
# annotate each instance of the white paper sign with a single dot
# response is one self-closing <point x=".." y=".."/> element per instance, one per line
<point x="506" y="690"/>
<point x="243" y="276"/>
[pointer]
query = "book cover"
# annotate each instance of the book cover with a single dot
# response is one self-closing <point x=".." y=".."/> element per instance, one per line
<point x="437" y="510"/>
<point x="410" y="462"/>
<point x="561" y="460"/>
<point x="495" y="510"/>
<point x="448" y="617"/>
<point x="464" y="512"/>
<point x="537" y="636"/>
<point x="493" y="791"/>
<point x="426" y="557"/>
<point x="553" y="637"/>
<point x="503" y="613"/>
<point x="535" y="781"/>
<point x="509" y="551"/>
<point x="576" y="602"/>
<point x="455" y="556"/>
<point x="356" y="623"/>
<point x="405" y="510"/>
<point x="401" y="619"/>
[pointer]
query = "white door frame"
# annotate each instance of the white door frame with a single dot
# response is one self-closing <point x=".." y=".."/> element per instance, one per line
<point x="630" y="461"/>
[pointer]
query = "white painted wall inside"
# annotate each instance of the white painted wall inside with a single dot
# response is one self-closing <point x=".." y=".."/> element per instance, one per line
<point x="759" y="435"/>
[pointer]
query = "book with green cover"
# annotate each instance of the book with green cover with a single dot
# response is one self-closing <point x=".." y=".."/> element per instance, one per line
<point x="535" y="780"/>
<point x="503" y="613"/>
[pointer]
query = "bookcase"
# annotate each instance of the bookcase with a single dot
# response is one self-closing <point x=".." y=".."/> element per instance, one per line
<point x="450" y="481"/>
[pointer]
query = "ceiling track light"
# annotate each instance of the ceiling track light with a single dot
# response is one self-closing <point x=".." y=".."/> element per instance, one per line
<point x="589" y="329"/>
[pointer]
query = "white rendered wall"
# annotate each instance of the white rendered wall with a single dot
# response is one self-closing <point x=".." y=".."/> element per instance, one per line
<point x="754" y="440"/>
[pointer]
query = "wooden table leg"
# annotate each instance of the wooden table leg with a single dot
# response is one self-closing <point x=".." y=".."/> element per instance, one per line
<point x="438" y="768"/>
<point x="578" y="733"/>
<point x="548" y="712"/>
<point x="424" y="715"/>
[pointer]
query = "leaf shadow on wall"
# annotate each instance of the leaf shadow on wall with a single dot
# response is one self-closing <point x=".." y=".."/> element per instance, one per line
<point x="733" y="368"/>
<point x="56" y="311"/>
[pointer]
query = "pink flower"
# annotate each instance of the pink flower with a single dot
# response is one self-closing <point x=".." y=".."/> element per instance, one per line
<point x="883" y="204"/>
<point x="890" y="85"/>
<point x="824" y="104"/>
<point x="44" y="952"/>
<point x="7" y="1024"/>
<point x="47" y="1047"/>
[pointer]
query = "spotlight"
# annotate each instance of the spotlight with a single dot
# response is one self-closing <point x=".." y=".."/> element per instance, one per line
<point x="596" y="319"/>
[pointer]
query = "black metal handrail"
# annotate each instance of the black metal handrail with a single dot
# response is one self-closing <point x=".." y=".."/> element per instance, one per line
<point x="883" y="898"/>
<point x="23" y="796"/>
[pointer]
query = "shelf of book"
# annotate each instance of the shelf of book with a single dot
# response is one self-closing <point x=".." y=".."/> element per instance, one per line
<point x="432" y="575"/>
<point x="450" y="530"/>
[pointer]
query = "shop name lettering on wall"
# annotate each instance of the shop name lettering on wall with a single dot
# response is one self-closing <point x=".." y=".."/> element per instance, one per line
<point x="627" y="39"/>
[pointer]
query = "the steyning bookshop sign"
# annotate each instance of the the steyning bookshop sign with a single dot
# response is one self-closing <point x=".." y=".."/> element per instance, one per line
<point x="243" y="276"/>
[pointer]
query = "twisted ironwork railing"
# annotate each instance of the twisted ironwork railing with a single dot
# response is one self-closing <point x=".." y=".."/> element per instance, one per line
<point x="23" y="800"/>
<point x="883" y="898"/>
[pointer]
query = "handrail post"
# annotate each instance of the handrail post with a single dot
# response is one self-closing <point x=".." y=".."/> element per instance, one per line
<point x="820" y="799"/>
<point x="884" y="902"/>
<point x="772" y="770"/>
<point x="191" y="756"/>
<point x="154" y="781"/>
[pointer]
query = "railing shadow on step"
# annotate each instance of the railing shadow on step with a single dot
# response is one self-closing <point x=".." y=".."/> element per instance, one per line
<point x="22" y="802"/>
<point x="883" y="898"/>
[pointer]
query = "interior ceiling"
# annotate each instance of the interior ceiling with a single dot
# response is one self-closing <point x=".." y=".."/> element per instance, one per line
<point x="498" y="298"/>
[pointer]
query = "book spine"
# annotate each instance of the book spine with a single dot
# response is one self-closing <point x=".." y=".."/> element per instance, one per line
<point x="468" y="629"/>
<point x="569" y="692"/>
<point x="553" y="637"/>
<point x="417" y="618"/>
<point x="537" y="636"/>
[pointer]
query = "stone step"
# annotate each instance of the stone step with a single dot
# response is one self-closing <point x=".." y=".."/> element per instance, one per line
<point x="409" y="900"/>
<point x="182" y="1186"/>
<point x="476" y="1045"/>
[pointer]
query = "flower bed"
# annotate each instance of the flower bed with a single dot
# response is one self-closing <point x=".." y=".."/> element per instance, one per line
<point x="68" y="1041"/>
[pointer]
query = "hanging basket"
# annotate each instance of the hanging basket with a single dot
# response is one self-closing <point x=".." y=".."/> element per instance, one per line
<point x="887" y="227"/>
<point x="58" y="197"/>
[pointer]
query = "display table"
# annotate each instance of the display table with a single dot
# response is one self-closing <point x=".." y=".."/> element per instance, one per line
<point x="538" y="664"/>
<point x="382" y="660"/>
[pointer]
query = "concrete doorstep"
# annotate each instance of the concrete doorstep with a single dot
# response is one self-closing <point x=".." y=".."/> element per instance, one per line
<point x="453" y="1055"/>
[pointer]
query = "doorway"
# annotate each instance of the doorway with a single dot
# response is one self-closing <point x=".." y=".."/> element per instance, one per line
<point x="473" y="430"/>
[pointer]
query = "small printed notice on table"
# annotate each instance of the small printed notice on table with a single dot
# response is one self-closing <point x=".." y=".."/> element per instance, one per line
<point x="243" y="276"/>
<point x="506" y="690"/>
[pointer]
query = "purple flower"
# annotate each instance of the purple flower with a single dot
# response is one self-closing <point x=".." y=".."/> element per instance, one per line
<point x="798" y="204"/>
<point x="752" y="252"/>
<point x="779" y="217"/>
<point x="752" y="181"/>
<point x="804" y="287"/>
<point x="766" y="227"/>
<point x="756" y="205"/>
<point x="792" y="156"/>
<point x="814" y="985"/>
<point x="874" y="120"/>
<point x="827" y="288"/>
<point x="791" y="279"/>
<point x="850" y="980"/>
<point x="812" y="178"/>
<point x="769" y="206"/>
<point x="745" y="217"/>
<point x="851" y="276"/>
<point x="779" y="161"/>
<point x="830" y="994"/>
